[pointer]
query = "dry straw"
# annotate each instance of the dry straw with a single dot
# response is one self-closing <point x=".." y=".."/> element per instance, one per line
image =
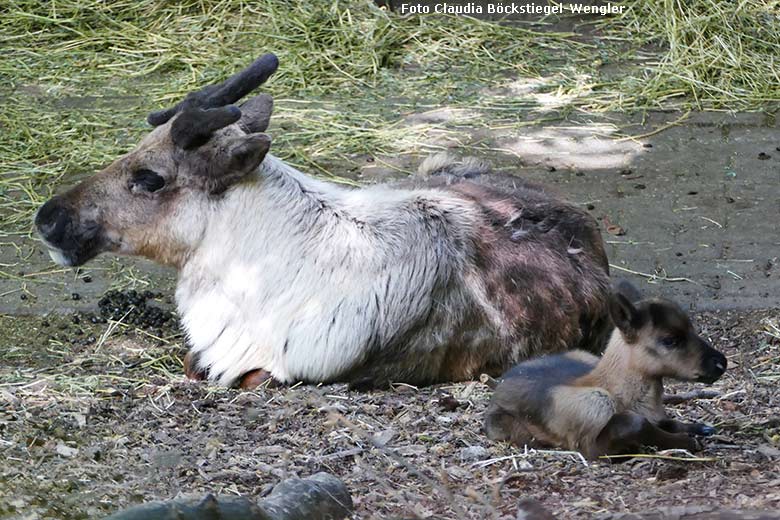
<point x="78" y="76"/>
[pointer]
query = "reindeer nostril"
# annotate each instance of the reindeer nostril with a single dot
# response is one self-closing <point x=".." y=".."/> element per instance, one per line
<point x="52" y="221"/>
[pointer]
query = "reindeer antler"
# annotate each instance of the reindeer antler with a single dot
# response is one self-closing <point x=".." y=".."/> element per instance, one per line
<point x="214" y="96"/>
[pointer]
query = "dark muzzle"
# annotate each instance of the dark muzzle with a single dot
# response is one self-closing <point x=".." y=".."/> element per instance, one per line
<point x="714" y="364"/>
<point x="53" y="221"/>
<point x="70" y="242"/>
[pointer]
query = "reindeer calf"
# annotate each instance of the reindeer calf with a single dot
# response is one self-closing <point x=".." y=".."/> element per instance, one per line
<point x="611" y="405"/>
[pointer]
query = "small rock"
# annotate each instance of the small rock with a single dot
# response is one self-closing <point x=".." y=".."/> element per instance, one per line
<point x="66" y="451"/>
<point x="671" y="472"/>
<point x="473" y="453"/>
<point x="769" y="452"/>
<point x="381" y="439"/>
<point x="449" y="403"/>
<point x="531" y="509"/>
<point x="443" y="419"/>
<point x="764" y="156"/>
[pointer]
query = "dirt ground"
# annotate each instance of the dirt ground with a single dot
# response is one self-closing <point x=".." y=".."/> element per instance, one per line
<point x="92" y="421"/>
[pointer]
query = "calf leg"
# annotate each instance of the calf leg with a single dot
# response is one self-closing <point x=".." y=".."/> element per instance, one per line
<point x="627" y="432"/>
<point x="673" y="426"/>
<point x="500" y="425"/>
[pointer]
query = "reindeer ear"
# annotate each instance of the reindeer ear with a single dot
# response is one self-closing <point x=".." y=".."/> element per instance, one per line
<point x="256" y="114"/>
<point x="625" y="316"/>
<point x="247" y="152"/>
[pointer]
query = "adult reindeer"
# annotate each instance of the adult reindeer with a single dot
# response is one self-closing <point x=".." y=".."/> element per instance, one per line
<point x="285" y="276"/>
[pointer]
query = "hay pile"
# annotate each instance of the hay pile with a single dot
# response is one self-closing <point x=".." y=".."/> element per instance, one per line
<point x="707" y="53"/>
<point x="78" y="76"/>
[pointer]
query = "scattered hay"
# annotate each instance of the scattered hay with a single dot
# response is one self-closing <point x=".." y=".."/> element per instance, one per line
<point x="78" y="76"/>
<point x="707" y="53"/>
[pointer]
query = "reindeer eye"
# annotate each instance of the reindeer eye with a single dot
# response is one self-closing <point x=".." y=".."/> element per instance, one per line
<point x="668" y="342"/>
<point x="146" y="180"/>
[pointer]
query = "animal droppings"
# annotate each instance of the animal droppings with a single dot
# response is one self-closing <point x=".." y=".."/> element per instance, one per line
<point x="133" y="307"/>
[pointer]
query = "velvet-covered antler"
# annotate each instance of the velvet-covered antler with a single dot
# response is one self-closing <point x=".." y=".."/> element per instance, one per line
<point x="207" y="110"/>
<point x="229" y="91"/>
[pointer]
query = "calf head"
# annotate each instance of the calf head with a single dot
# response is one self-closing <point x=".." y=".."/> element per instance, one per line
<point x="662" y="342"/>
<point x="154" y="201"/>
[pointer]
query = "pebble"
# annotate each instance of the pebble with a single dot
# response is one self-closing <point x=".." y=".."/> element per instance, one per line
<point x="474" y="453"/>
<point x="443" y="419"/>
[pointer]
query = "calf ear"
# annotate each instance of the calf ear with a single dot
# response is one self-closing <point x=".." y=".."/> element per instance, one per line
<point x="625" y="316"/>
<point x="628" y="290"/>
<point x="246" y="153"/>
<point x="256" y="114"/>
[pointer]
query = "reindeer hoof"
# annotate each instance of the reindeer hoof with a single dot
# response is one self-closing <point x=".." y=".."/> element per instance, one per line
<point x="255" y="378"/>
<point x="191" y="369"/>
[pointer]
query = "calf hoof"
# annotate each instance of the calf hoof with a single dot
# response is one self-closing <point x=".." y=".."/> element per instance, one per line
<point x="703" y="430"/>
<point x="191" y="369"/>
<point x="255" y="378"/>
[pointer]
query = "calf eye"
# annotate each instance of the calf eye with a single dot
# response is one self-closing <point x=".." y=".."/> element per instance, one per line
<point x="146" y="180"/>
<point x="668" y="342"/>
